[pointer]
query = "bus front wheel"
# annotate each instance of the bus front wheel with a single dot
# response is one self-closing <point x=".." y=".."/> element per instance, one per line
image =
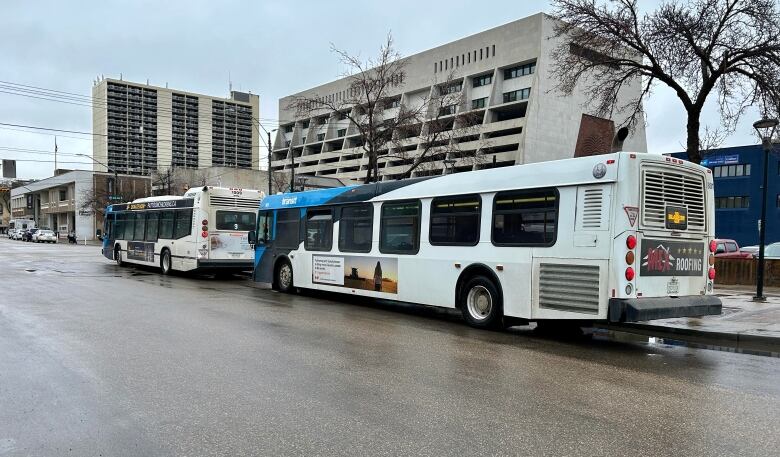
<point x="118" y="256"/>
<point x="284" y="276"/>
<point x="165" y="262"/>
<point x="481" y="303"/>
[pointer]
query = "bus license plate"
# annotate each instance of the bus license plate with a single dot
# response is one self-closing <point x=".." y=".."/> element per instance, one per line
<point x="673" y="287"/>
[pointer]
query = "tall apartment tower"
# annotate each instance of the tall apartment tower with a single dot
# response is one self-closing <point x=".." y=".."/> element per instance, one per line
<point x="503" y="75"/>
<point x="139" y="129"/>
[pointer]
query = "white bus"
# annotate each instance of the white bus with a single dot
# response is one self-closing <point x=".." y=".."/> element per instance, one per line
<point x="205" y="230"/>
<point x="619" y="237"/>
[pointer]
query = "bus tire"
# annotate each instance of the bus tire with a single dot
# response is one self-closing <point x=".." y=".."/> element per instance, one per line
<point x="118" y="256"/>
<point x="481" y="303"/>
<point x="283" y="276"/>
<point x="165" y="262"/>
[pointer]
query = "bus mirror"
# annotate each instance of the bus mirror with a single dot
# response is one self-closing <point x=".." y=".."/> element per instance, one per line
<point x="99" y="234"/>
<point x="252" y="237"/>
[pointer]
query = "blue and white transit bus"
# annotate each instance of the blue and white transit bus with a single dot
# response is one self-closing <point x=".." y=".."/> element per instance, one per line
<point x="205" y="230"/>
<point x="620" y="237"/>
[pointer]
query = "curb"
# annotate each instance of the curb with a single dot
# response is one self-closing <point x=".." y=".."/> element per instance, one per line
<point x="740" y="341"/>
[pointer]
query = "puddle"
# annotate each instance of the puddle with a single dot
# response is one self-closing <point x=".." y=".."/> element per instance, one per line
<point x="30" y="270"/>
<point x="625" y="337"/>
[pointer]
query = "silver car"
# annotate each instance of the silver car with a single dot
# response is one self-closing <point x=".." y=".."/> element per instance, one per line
<point x="44" y="236"/>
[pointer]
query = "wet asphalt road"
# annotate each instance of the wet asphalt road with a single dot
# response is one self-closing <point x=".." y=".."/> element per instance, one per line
<point x="100" y="360"/>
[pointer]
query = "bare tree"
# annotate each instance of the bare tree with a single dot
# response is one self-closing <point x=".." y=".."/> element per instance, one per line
<point x="728" y="49"/>
<point x="100" y="195"/>
<point x="371" y="83"/>
<point x="418" y="134"/>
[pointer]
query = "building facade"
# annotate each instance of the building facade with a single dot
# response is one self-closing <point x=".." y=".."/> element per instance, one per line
<point x="139" y="129"/>
<point x="503" y="78"/>
<point x="73" y="201"/>
<point x="738" y="176"/>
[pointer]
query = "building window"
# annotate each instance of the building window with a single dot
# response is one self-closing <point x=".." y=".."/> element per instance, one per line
<point x="319" y="230"/>
<point x="394" y="103"/>
<point x="483" y="80"/>
<point x="728" y="171"/>
<point x="457" y="61"/>
<point x="737" y="202"/>
<point x="341" y="132"/>
<point x="455" y="220"/>
<point x="516" y="95"/>
<point x="63" y="195"/>
<point x="487" y="52"/>
<point x="451" y="89"/>
<point x="480" y="53"/>
<point x="521" y="70"/>
<point x="355" y="228"/>
<point x="399" y="228"/>
<point x="479" y="103"/>
<point x="494" y="50"/>
<point x="434" y="67"/>
<point x="448" y="110"/>
<point x="525" y="217"/>
<point x="288" y="128"/>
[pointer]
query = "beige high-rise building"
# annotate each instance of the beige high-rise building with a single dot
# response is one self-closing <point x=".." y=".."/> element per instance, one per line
<point x="503" y="76"/>
<point x="139" y="129"/>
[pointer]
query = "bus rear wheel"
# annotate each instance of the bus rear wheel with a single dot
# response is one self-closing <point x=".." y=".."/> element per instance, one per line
<point x="481" y="304"/>
<point x="165" y="262"/>
<point x="118" y="256"/>
<point x="284" y="276"/>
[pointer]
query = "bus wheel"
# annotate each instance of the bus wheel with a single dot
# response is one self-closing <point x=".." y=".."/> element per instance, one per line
<point x="118" y="256"/>
<point x="480" y="303"/>
<point x="165" y="262"/>
<point x="284" y="276"/>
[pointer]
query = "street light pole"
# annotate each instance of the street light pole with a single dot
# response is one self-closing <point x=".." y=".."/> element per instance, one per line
<point x="766" y="130"/>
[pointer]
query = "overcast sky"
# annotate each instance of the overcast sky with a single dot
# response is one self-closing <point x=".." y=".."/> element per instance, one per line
<point x="272" y="48"/>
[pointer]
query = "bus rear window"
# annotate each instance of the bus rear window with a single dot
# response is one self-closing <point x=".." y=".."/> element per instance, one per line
<point x="235" y="220"/>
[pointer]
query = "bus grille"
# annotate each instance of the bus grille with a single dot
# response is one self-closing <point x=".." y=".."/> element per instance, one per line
<point x="664" y="186"/>
<point x="234" y="202"/>
<point x="573" y="288"/>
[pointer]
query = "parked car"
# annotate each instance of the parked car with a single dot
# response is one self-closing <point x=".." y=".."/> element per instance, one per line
<point x="18" y="234"/>
<point x="752" y="250"/>
<point x="771" y="251"/>
<point x="729" y="249"/>
<point x="28" y="234"/>
<point x="44" y="236"/>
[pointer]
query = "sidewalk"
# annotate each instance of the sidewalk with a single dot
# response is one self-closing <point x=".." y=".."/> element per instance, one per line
<point x="743" y="324"/>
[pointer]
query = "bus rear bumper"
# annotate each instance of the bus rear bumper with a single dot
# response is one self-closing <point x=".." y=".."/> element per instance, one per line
<point x="645" y="309"/>
<point x="225" y="265"/>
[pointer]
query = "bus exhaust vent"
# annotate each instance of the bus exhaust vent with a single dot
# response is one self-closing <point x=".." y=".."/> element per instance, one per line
<point x="663" y="186"/>
<point x="234" y="202"/>
<point x="573" y="288"/>
<point x="592" y="202"/>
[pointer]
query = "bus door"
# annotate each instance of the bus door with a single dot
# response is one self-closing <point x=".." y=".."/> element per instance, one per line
<point x="263" y="260"/>
<point x="108" y="235"/>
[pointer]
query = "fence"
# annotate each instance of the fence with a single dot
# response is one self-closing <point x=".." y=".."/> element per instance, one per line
<point x="743" y="272"/>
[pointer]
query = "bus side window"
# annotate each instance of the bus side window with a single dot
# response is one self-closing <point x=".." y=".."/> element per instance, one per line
<point x="129" y="225"/>
<point x="140" y="227"/>
<point x="355" y="228"/>
<point x="287" y="228"/>
<point x="166" y="225"/>
<point x="152" y="224"/>
<point x="525" y="217"/>
<point x="319" y="230"/>
<point x="399" y="227"/>
<point x="183" y="225"/>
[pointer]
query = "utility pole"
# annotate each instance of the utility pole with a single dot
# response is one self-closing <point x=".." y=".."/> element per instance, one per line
<point x="270" y="189"/>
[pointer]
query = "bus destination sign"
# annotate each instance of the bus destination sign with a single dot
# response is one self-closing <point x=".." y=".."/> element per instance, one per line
<point x="160" y="204"/>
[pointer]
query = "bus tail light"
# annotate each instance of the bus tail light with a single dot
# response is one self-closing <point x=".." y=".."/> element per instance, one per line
<point x="711" y="274"/>
<point x="630" y="257"/>
<point x="713" y="246"/>
<point x="631" y="242"/>
<point x="630" y="273"/>
<point x="204" y="234"/>
<point x="205" y="222"/>
<point x="712" y="260"/>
